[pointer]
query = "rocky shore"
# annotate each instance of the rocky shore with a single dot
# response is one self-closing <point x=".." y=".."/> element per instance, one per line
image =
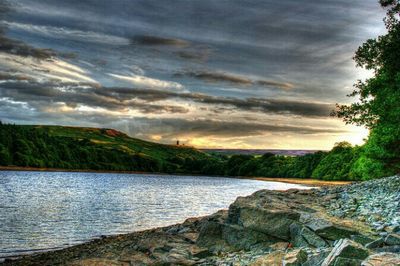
<point x="357" y="224"/>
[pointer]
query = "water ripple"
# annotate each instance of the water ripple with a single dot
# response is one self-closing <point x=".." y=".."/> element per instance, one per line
<point x="50" y="210"/>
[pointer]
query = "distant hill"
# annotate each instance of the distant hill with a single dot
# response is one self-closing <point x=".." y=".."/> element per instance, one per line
<point x="104" y="149"/>
<point x="259" y="151"/>
<point x="91" y="148"/>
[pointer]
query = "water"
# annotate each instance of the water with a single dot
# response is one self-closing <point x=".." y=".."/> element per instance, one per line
<point x="49" y="210"/>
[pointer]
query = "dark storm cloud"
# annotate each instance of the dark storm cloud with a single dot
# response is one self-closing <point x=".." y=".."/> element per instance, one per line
<point x="16" y="47"/>
<point x="234" y="79"/>
<point x="216" y="77"/>
<point x="277" y="106"/>
<point x="41" y="94"/>
<point x="155" y="40"/>
<point x="122" y="98"/>
<point x="223" y="128"/>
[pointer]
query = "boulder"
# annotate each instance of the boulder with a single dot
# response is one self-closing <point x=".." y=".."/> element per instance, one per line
<point x="347" y="262"/>
<point x="346" y="249"/>
<point x="382" y="259"/>
<point x="244" y="238"/>
<point x="210" y="236"/>
<point x="295" y="258"/>
<point x="376" y="243"/>
<point x="273" y="220"/>
<point x="363" y="240"/>
<point x="211" y="230"/>
<point x="301" y="236"/>
<point x="328" y="230"/>
<point x="392" y="239"/>
<point x="317" y="257"/>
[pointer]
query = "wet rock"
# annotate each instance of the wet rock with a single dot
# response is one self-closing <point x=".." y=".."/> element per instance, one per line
<point x="346" y="249"/>
<point x="295" y="258"/>
<point x="382" y="259"/>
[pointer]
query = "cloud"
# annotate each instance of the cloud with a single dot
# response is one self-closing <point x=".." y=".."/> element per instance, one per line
<point x="43" y="70"/>
<point x="146" y="82"/>
<point x="38" y="95"/>
<point x="215" y="77"/>
<point x="208" y="127"/>
<point x="68" y="34"/>
<point x="119" y="98"/>
<point x="159" y="41"/>
<point x="273" y="106"/>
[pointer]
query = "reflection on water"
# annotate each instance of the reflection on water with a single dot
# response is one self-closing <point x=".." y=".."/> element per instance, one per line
<point x="45" y="210"/>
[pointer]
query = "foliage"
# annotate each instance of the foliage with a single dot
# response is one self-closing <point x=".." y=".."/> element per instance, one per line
<point x="378" y="107"/>
<point x="103" y="149"/>
<point x="89" y="148"/>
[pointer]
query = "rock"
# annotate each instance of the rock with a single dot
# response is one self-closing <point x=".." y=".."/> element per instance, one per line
<point x="347" y="262"/>
<point x="317" y="257"/>
<point x="272" y="222"/>
<point x="382" y="259"/>
<point x="279" y="246"/>
<point x="363" y="240"/>
<point x="198" y="252"/>
<point x="391" y="249"/>
<point x="273" y="259"/>
<point x="211" y="231"/>
<point x="328" y="230"/>
<point x="392" y="239"/>
<point x="301" y="236"/>
<point x="244" y="238"/>
<point x="99" y="262"/>
<point x="295" y="258"/>
<point x="346" y="249"/>
<point x="376" y="243"/>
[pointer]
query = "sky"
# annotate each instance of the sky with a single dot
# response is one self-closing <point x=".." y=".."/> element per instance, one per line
<point x="212" y="73"/>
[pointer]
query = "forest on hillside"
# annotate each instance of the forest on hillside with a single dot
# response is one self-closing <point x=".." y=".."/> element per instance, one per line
<point x="31" y="146"/>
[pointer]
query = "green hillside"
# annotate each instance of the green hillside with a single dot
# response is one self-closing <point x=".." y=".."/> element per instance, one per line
<point x="92" y="148"/>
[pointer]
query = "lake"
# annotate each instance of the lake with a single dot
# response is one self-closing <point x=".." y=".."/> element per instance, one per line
<point x="49" y="210"/>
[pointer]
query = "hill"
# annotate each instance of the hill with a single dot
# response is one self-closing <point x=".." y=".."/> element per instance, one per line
<point x="104" y="149"/>
<point x="90" y="148"/>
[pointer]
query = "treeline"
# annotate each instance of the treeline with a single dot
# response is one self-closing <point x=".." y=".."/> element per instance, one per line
<point x="26" y="146"/>
<point x="343" y="162"/>
<point x="337" y="164"/>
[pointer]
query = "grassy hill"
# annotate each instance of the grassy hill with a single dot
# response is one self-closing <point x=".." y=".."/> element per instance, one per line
<point x="92" y="148"/>
<point x="113" y="139"/>
<point x="80" y="148"/>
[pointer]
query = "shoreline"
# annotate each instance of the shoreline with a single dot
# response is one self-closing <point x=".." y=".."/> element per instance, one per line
<point x="298" y="181"/>
<point x="255" y="231"/>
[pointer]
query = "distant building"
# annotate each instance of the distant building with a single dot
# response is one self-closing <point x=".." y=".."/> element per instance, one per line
<point x="177" y="143"/>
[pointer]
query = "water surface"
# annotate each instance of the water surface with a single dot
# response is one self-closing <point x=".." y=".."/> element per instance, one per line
<point x="46" y="210"/>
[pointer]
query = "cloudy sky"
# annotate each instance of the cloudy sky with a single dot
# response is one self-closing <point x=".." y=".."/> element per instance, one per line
<point x="211" y="73"/>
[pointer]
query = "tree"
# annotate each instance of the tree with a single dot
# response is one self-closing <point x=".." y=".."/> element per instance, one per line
<point x="378" y="107"/>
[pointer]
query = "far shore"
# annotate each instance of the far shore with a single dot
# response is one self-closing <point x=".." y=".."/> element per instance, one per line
<point x="298" y="181"/>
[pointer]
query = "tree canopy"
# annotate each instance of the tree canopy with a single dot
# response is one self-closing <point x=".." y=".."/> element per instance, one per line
<point x="378" y="107"/>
